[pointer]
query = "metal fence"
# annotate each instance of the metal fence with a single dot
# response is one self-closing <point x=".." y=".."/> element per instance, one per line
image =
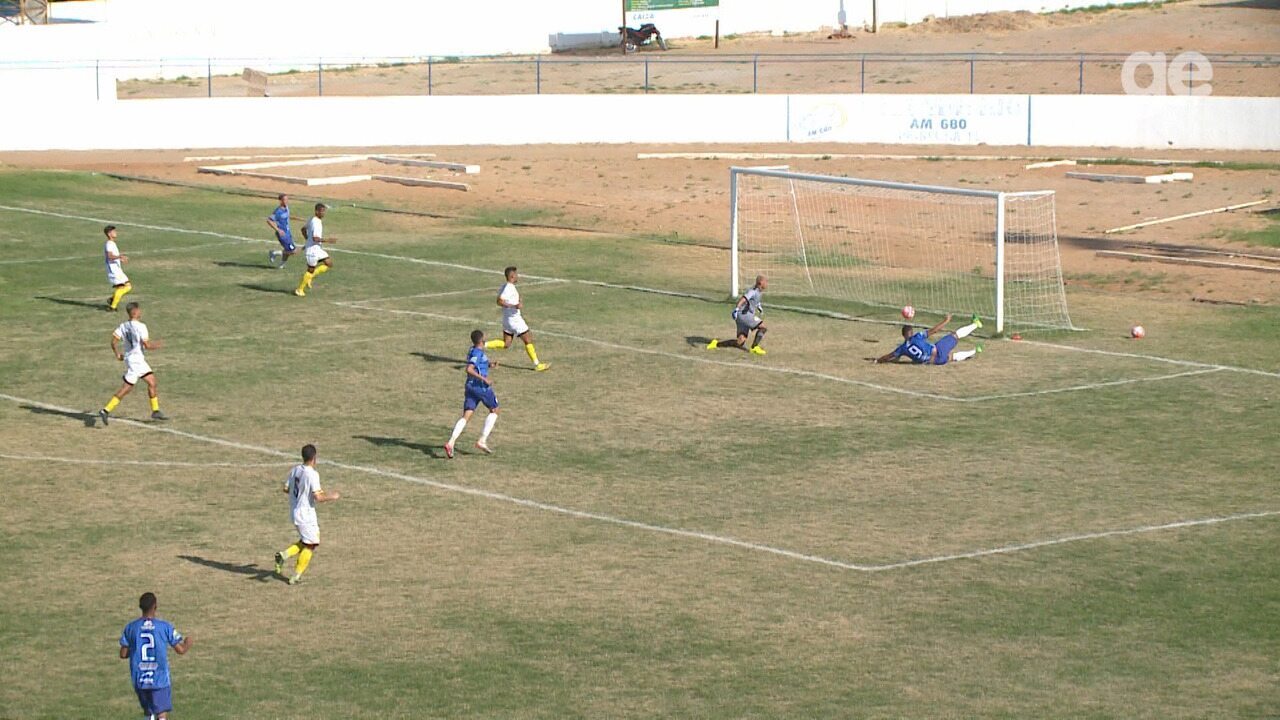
<point x="983" y="73"/>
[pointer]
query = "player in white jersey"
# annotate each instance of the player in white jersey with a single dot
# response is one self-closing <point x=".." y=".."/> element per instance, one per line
<point x="304" y="491"/>
<point x="746" y="315"/>
<point x="318" y="261"/>
<point x="114" y="259"/>
<point x="128" y="342"/>
<point x="513" y="324"/>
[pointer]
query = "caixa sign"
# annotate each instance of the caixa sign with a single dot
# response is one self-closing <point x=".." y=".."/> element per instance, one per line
<point x="1145" y="73"/>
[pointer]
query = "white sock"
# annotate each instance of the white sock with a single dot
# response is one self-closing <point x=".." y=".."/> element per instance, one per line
<point x="964" y="331"/>
<point x="458" y="427"/>
<point x="489" y="422"/>
<point x="963" y="355"/>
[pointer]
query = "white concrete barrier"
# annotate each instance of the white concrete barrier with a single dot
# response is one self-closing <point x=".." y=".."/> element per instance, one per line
<point x="1228" y="123"/>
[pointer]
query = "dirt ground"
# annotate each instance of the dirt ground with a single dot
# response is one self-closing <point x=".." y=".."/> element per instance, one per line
<point x="1205" y="26"/>
<point x="605" y="188"/>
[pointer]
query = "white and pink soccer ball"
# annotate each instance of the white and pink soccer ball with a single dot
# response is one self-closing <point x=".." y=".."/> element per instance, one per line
<point x="908" y="312"/>
<point x="1137" y="332"/>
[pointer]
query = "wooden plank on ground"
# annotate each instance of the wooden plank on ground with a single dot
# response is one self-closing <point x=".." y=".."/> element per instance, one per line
<point x="1146" y="257"/>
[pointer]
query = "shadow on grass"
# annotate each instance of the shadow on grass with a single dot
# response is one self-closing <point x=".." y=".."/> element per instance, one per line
<point x="99" y="306"/>
<point x="434" y="451"/>
<point x="429" y="357"/>
<point x="266" y="289"/>
<point x="251" y="266"/>
<point x="89" y="419"/>
<point x="251" y="571"/>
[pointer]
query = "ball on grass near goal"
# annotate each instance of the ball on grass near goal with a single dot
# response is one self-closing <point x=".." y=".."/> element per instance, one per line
<point x="1137" y="332"/>
<point x="908" y="312"/>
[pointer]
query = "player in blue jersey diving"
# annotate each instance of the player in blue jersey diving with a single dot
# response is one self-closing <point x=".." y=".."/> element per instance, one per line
<point x="477" y="391"/>
<point x="917" y="348"/>
<point x="145" y="643"/>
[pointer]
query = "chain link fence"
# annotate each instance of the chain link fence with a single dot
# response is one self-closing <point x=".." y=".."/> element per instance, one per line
<point x="984" y="73"/>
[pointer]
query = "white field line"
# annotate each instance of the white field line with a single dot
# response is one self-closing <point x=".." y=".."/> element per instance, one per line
<point x="490" y="271"/>
<point x="184" y="248"/>
<point x="156" y="463"/>
<point x="663" y="353"/>
<point x="447" y="293"/>
<point x="677" y="532"/>
<point x="475" y="492"/>
<point x="1076" y="538"/>
<point x="1153" y="358"/>
<point x="1089" y="386"/>
<point x="793" y="371"/>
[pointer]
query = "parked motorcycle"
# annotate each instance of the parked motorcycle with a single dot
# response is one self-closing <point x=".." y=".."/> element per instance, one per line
<point x="646" y="34"/>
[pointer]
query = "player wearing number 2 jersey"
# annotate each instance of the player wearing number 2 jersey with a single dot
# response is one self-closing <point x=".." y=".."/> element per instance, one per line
<point x="145" y="643"/>
<point x="917" y="348"/>
<point x="304" y="491"/>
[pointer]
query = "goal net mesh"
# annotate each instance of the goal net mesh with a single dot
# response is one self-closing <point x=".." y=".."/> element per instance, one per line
<point x="891" y="247"/>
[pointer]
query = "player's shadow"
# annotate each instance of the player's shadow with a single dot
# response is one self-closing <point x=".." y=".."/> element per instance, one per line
<point x="99" y="306"/>
<point x="700" y="341"/>
<point x="251" y="266"/>
<point x="432" y="450"/>
<point x="455" y="362"/>
<point x="266" y="289"/>
<point x="89" y="419"/>
<point x="249" y="570"/>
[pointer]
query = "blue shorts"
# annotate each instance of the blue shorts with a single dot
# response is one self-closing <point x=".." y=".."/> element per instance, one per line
<point x="479" y="396"/>
<point x="944" y="347"/>
<point x="155" y="701"/>
<point x="286" y="242"/>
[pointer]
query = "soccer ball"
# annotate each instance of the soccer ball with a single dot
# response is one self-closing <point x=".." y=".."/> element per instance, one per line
<point x="1137" y="332"/>
<point x="908" y="312"/>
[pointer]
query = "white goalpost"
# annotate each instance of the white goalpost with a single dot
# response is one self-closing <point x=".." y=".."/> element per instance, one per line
<point x="889" y="244"/>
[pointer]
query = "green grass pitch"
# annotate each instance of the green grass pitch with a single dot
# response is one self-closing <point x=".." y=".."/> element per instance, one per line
<point x="662" y="532"/>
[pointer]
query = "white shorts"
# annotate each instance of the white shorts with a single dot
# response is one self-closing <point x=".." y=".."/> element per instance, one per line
<point x="134" y="370"/>
<point x="309" y="532"/>
<point x="514" y="325"/>
<point x="117" y="278"/>
<point x="315" y="254"/>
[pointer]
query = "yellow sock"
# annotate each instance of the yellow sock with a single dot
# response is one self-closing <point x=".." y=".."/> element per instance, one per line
<point x="533" y="354"/>
<point x="306" y="281"/>
<point x="496" y="345"/>
<point x="322" y="269"/>
<point x="155" y="404"/>
<point x="304" y="559"/>
<point x="294" y="549"/>
<point x="119" y="293"/>
<point x="111" y="404"/>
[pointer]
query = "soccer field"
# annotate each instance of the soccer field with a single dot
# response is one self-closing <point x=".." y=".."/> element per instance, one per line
<point x="1073" y="525"/>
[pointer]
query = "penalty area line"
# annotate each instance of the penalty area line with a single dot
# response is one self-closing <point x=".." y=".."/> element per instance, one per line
<point x="476" y="492"/>
<point x="677" y="532"/>
<point x="1007" y="549"/>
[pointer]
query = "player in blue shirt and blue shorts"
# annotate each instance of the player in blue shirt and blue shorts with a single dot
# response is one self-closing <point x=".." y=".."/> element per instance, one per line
<point x="477" y="391"/>
<point x="279" y="222"/>
<point x="145" y="643"/>
<point x="917" y="348"/>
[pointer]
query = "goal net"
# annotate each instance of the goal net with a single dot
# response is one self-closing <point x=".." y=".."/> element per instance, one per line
<point x="888" y="244"/>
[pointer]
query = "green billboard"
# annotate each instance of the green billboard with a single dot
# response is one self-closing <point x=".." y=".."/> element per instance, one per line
<point x="651" y="5"/>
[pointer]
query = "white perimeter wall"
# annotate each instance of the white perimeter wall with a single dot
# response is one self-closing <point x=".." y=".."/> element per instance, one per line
<point x="185" y="32"/>
<point x="1060" y="120"/>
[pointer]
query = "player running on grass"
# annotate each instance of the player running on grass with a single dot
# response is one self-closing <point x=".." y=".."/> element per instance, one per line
<point x="120" y="285"/>
<point x="278" y="220"/>
<point x="304" y="491"/>
<point x="477" y="391"/>
<point x="318" y="261"/>
<point x="135" y="338"/>
<point x="145" y="643"/>
<point x="513" y="324"/>
<point x="916" y="345"/>
<point x="747" y="316"/>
